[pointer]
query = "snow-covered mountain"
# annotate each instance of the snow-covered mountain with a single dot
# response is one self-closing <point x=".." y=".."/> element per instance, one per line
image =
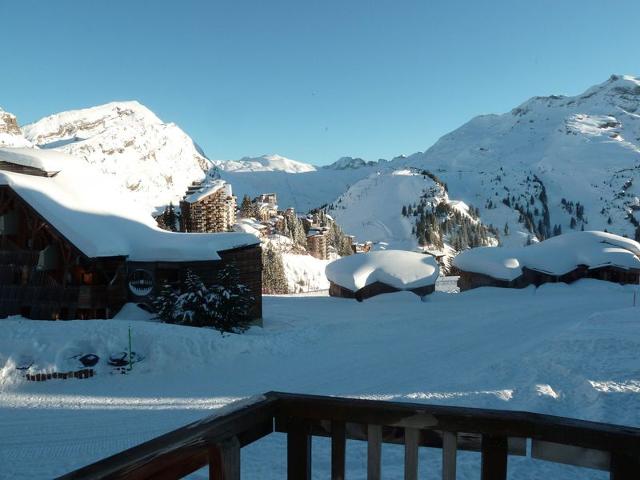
<point x="154" y="160"/>
<point x="10" y="133"/>
<point x="552" y="163"/>
<point x="264" y="163"/>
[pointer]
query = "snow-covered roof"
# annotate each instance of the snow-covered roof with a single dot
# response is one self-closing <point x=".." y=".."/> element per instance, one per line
<point x="208" y="187"/>
<point x="400" y="269"/>
<point x="554" y="256"/>
<point x="46" y="160"/>
<point x="100" y="220"/>
<point x="249" y="225"/>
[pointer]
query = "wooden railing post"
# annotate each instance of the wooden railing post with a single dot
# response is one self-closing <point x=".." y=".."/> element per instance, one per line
<point x="224" y="460"/>
<point x="449" y="452"/>
<point x="494" y="458"/>
<point x="338" y="450"/>
<point x="298" y="452"/>
<point x="624" y="467"/>
<point x="411" y="438"/>
<point x="374" y="451"/>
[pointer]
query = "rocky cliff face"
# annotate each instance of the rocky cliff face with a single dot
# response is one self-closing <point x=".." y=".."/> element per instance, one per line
<point x="10" y="133"/>
<point x="154" y="160"/>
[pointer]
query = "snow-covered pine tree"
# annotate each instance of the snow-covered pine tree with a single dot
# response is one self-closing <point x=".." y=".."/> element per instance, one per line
<point x="274" y="279"/>
<point x="164" y="303"/>
<point x="194" y="305"/>
<point x="232" y="302"/>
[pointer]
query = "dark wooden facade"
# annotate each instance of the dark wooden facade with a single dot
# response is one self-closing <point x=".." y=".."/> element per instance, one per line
<point x="45" y="276"/>
<point x="374" y="289"/>
<point x="469" y="280"/>
<point x="248" y="261"/>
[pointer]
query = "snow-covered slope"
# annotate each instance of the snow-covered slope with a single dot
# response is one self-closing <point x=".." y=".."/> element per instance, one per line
<point x="10" y="133"/>
<point x="583" y="149"/>
<point x="154" y="160"/>
<point x="569" y="350"/>
<point x="264" y="163"/>
<point x="371" y="209"/>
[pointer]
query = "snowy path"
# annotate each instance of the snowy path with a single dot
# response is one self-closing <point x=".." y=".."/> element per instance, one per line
<point x="565" y="350"/>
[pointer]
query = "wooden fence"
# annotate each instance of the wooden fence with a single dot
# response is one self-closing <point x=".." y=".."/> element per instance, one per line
<point x="495" y="434"/>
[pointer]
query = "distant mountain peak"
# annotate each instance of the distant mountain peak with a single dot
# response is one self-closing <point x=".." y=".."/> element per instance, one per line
<point x="344" y="163"/>
<point x="264" y="163"/>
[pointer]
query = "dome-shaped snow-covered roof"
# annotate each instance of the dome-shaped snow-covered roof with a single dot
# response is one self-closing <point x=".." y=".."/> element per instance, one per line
<point x="400" y="269"/>
<point x="554" y="256"/>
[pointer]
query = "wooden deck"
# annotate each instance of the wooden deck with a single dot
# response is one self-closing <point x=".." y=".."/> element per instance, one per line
<point x="495" y="434"/>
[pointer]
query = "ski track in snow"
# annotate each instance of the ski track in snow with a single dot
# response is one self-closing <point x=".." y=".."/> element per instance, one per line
<point x="563" y="350"/>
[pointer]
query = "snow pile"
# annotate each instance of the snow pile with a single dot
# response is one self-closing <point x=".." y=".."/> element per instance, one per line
<point x="397" y="268"/>
<point x="305" y="273"/>
<point x="82" y="206"/>
<point x="555" y="256"/>
<point x="154" y="160"/>
<point x="264" y="163"/>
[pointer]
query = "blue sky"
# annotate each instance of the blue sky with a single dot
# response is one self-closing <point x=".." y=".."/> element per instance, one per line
<point x="311" y="80"/>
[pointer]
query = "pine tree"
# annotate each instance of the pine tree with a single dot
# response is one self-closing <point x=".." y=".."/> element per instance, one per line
<point x="193" y="305"/>
<point x="274" y="279"/>
<point x="506" y="229"/>
<point x="232" y="302"/>
<point x="164" y="303"/>
<point x="573" y="223"/>
<point x="247" y="209"/>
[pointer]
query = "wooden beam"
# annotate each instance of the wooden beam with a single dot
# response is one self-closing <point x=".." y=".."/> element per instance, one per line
<point x="338" y="450"/>
<point x="411" y="438"/>
<point x="449" y="452"/>
<point x="224" y="460"/>
<point x="374" y="451"/>
<point x="494" y="458"/>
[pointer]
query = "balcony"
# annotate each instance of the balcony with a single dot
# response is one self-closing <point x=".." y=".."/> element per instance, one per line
<point x="216" y="441"/>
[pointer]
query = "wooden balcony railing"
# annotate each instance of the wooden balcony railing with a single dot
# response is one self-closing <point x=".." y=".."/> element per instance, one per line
<point x="216" y="441"/>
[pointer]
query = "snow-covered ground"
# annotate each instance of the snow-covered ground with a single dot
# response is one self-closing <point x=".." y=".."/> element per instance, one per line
<point x="560" y="349"/>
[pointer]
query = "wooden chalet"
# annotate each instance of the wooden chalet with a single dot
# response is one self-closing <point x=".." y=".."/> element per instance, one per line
<point x="373" y="289"/>
<point x="70" y="251"/>
<point x="605" y="257"/>
<point x="366" y="275"/>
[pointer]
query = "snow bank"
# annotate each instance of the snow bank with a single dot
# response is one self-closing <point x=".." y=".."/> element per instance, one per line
<point x="398" y="268"/>
<point x="82" y="206"/>
<point x="555" y="256"/>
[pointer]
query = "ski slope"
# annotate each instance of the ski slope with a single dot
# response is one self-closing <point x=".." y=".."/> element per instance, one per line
<point x="560" y="349"/>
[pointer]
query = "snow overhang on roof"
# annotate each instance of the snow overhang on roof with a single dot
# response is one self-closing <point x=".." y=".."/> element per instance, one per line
<point x="208" y="188"/>
<point x="49" y="162"/>
<point x="554" y="256"/>
<point x="400" y="269"/>
<point x="80" y="203"/>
